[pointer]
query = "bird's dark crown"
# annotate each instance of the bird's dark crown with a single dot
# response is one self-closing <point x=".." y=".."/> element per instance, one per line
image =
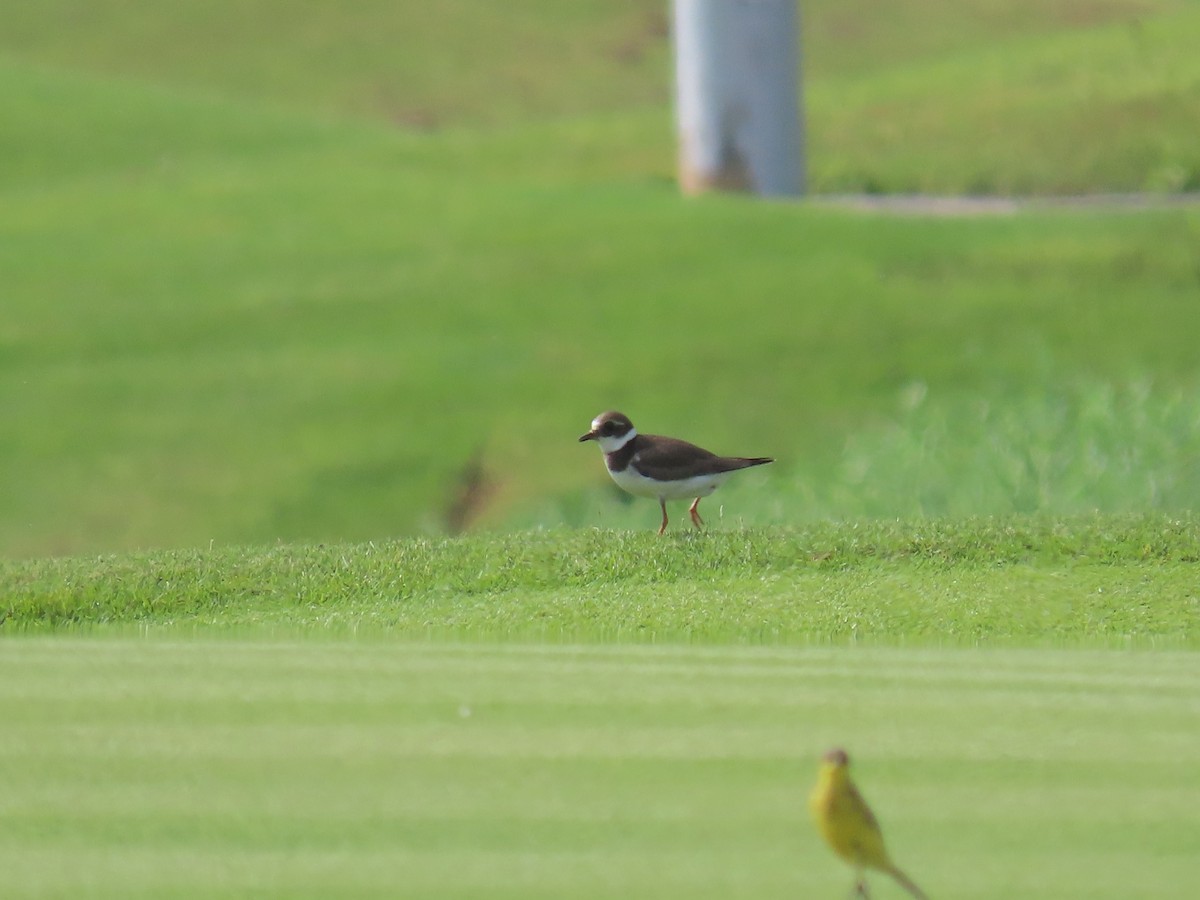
<point x="611" y="424"/>
<point x="608" y="424"/>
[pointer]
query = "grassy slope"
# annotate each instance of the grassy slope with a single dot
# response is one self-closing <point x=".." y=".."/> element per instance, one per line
<point x="213" y="768"/>
<point x="415" y="64"/>
<point x="926" y="95"/>
<point x="231" y="325"/>
<point x="1095" y="108"/>
<point x="229" y="321"/>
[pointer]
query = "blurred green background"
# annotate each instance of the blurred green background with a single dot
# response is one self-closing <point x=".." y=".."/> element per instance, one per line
<point x="300" y="271"/>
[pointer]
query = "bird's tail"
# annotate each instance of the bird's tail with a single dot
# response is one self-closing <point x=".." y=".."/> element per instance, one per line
<point x="745" y="462"/>
<point x="906" y="883"/>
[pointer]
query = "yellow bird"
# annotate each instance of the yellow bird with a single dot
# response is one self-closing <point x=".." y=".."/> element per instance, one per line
<point x="849" y="826"/>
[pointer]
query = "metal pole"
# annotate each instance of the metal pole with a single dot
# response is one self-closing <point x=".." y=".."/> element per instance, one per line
<point x="737" y="96"/>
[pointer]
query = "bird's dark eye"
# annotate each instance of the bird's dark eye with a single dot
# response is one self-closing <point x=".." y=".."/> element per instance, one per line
<point x="609" y="428"/>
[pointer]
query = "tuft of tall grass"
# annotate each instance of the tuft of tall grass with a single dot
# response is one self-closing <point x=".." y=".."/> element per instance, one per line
<point x="1076" y="446"/>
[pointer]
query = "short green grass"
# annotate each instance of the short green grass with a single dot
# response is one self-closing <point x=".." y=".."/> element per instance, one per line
<point x="311" y="768"/>
<point x="1102" y="580"/>
<point x="606" y="714"/>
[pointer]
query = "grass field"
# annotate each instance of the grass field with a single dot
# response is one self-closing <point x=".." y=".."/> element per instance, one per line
<point x="215" y="767"/>
<point x="279" y="283"/>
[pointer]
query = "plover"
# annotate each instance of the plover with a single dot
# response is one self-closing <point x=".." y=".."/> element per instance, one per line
<point x="648" y="465"/>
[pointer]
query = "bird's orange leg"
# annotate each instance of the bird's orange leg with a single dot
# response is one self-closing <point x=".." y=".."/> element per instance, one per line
<point x="696" y="520"/>
<point x="662" y="528"/>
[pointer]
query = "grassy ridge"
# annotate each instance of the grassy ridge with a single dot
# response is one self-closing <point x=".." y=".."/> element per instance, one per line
<point x="313" y="769"/>
<point x="1034" y="581"/>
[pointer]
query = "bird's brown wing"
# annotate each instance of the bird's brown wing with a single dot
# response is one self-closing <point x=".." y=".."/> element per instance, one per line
<point x="674" y="459"/>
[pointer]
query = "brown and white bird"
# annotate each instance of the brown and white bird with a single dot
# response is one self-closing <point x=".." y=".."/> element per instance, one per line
<point x="648" y="465"/>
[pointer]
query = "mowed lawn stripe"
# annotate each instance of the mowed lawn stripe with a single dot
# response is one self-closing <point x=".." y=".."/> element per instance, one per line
<point x="215" y="766"/>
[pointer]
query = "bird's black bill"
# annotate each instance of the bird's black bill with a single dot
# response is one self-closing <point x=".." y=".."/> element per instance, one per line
<point x="590" y="436"/>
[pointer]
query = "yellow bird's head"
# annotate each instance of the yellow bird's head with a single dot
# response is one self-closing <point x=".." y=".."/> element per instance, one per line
<point x="837" y="758"/>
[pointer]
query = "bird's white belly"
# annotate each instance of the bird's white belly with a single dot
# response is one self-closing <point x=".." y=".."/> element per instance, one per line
<point x="697" y="486"/>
